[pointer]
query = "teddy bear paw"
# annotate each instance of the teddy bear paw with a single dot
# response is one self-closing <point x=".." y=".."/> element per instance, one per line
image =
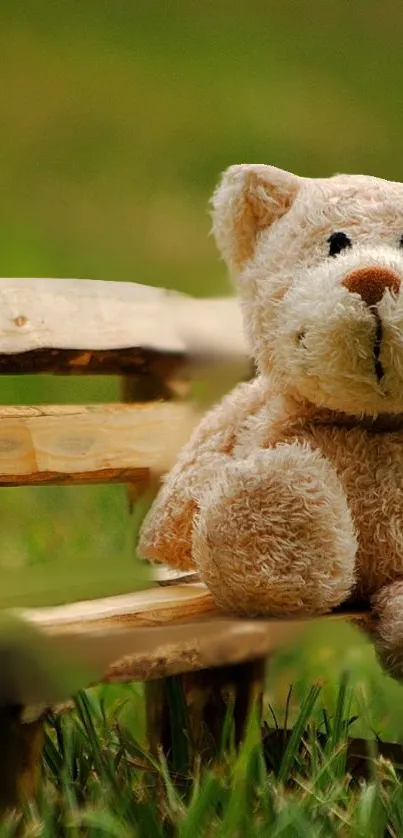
<point x="274" y="535"/>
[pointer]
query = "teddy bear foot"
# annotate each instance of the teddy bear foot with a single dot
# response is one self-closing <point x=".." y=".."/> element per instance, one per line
<point x="274" y="535"/>
<point x="388" y="614"/>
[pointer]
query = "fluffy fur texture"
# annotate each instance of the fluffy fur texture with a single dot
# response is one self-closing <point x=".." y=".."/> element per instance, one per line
<point x="289" y="496"/>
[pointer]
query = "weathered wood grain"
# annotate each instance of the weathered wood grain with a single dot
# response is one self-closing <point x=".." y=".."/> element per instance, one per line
<point x="155" y="606"/>
<point x="90" y="326"/>
<point x="162" y="632"/>
<point x="214" y="642"/>
<point x="83" y="444"/>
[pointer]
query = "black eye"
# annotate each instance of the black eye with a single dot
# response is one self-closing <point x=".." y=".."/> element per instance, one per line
<point x="338" y="242"/>
<point x="401" y="241"/>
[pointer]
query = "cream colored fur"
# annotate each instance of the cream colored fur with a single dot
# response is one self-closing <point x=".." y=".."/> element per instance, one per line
<point x="288" y="498"/>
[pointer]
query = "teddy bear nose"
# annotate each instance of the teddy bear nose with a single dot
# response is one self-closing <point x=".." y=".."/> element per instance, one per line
<point x="371" y="283"/>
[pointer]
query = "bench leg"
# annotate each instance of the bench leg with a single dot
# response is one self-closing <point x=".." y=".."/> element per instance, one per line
<point x="188" y="713"/>
<point x="21" y="746"/>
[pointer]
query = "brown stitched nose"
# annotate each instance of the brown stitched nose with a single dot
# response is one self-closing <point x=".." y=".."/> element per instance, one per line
<point x="371" y="283"/>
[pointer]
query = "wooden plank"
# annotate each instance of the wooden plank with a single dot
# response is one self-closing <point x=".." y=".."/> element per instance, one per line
<point x="158" y="633"/>
<point x="89" y="444"/>
<point x="167" y="576"/>
<point x="216" y="641"/>
<point x="136" y="360"/>
<point x="89" y="326"/>
<point x="146" y="652"/>
<point x="151" y="607"/>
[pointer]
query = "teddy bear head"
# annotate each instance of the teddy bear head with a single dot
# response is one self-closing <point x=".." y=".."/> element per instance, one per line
<point x="319" y="268"/>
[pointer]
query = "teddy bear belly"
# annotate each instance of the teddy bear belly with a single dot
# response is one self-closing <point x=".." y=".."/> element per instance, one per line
<point x="370" y="467"/>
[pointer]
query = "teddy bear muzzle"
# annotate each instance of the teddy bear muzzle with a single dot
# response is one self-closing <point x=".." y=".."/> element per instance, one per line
<point x="371" y="283"/>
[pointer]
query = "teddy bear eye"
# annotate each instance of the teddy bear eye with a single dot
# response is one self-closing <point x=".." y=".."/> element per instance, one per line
<point x="338" y="242"/>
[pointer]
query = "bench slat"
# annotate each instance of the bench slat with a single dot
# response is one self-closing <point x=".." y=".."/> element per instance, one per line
<point x="90" y="326"/>
<point x="89" y="444"/>
<point x="160" y="632"/>
<point x="153" y="606"/>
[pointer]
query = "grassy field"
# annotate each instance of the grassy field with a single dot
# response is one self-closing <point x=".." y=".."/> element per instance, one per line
<point x="99" y="780"/>
<point x="116" y="119"/>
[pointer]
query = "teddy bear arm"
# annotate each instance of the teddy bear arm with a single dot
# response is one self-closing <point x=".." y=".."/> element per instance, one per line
<point x="166" y="533"/>
<point x="274" y="536"/>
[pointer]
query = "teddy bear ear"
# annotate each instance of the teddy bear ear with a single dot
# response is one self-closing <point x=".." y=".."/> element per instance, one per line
<point x="248" y="199"/>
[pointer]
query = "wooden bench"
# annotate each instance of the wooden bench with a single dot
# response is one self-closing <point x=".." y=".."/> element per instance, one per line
<point x="157" y="342"/>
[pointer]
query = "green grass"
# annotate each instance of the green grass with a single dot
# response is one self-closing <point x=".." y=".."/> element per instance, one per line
<point x="305" y="771"/>
<point x="99" y="780"/>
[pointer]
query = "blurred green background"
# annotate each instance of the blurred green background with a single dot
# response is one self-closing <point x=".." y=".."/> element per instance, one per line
<point x="116" y="119"/>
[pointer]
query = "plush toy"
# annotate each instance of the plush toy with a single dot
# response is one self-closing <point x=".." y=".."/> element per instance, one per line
<point x="288" y="499"/>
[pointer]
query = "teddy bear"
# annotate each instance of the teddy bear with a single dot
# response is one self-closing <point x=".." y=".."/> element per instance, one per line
<point x="288" y="498"/>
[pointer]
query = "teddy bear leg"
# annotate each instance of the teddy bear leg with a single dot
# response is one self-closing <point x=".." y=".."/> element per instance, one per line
<point x="388" y="613"/>
<point x="274" y="535"/>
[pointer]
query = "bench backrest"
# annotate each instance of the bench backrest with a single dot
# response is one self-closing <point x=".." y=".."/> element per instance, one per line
<point x="156" y="341"/>
<point x="153" y="339"/>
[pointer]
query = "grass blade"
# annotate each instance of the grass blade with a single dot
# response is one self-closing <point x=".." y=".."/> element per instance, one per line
<point x="291" y="751"/>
